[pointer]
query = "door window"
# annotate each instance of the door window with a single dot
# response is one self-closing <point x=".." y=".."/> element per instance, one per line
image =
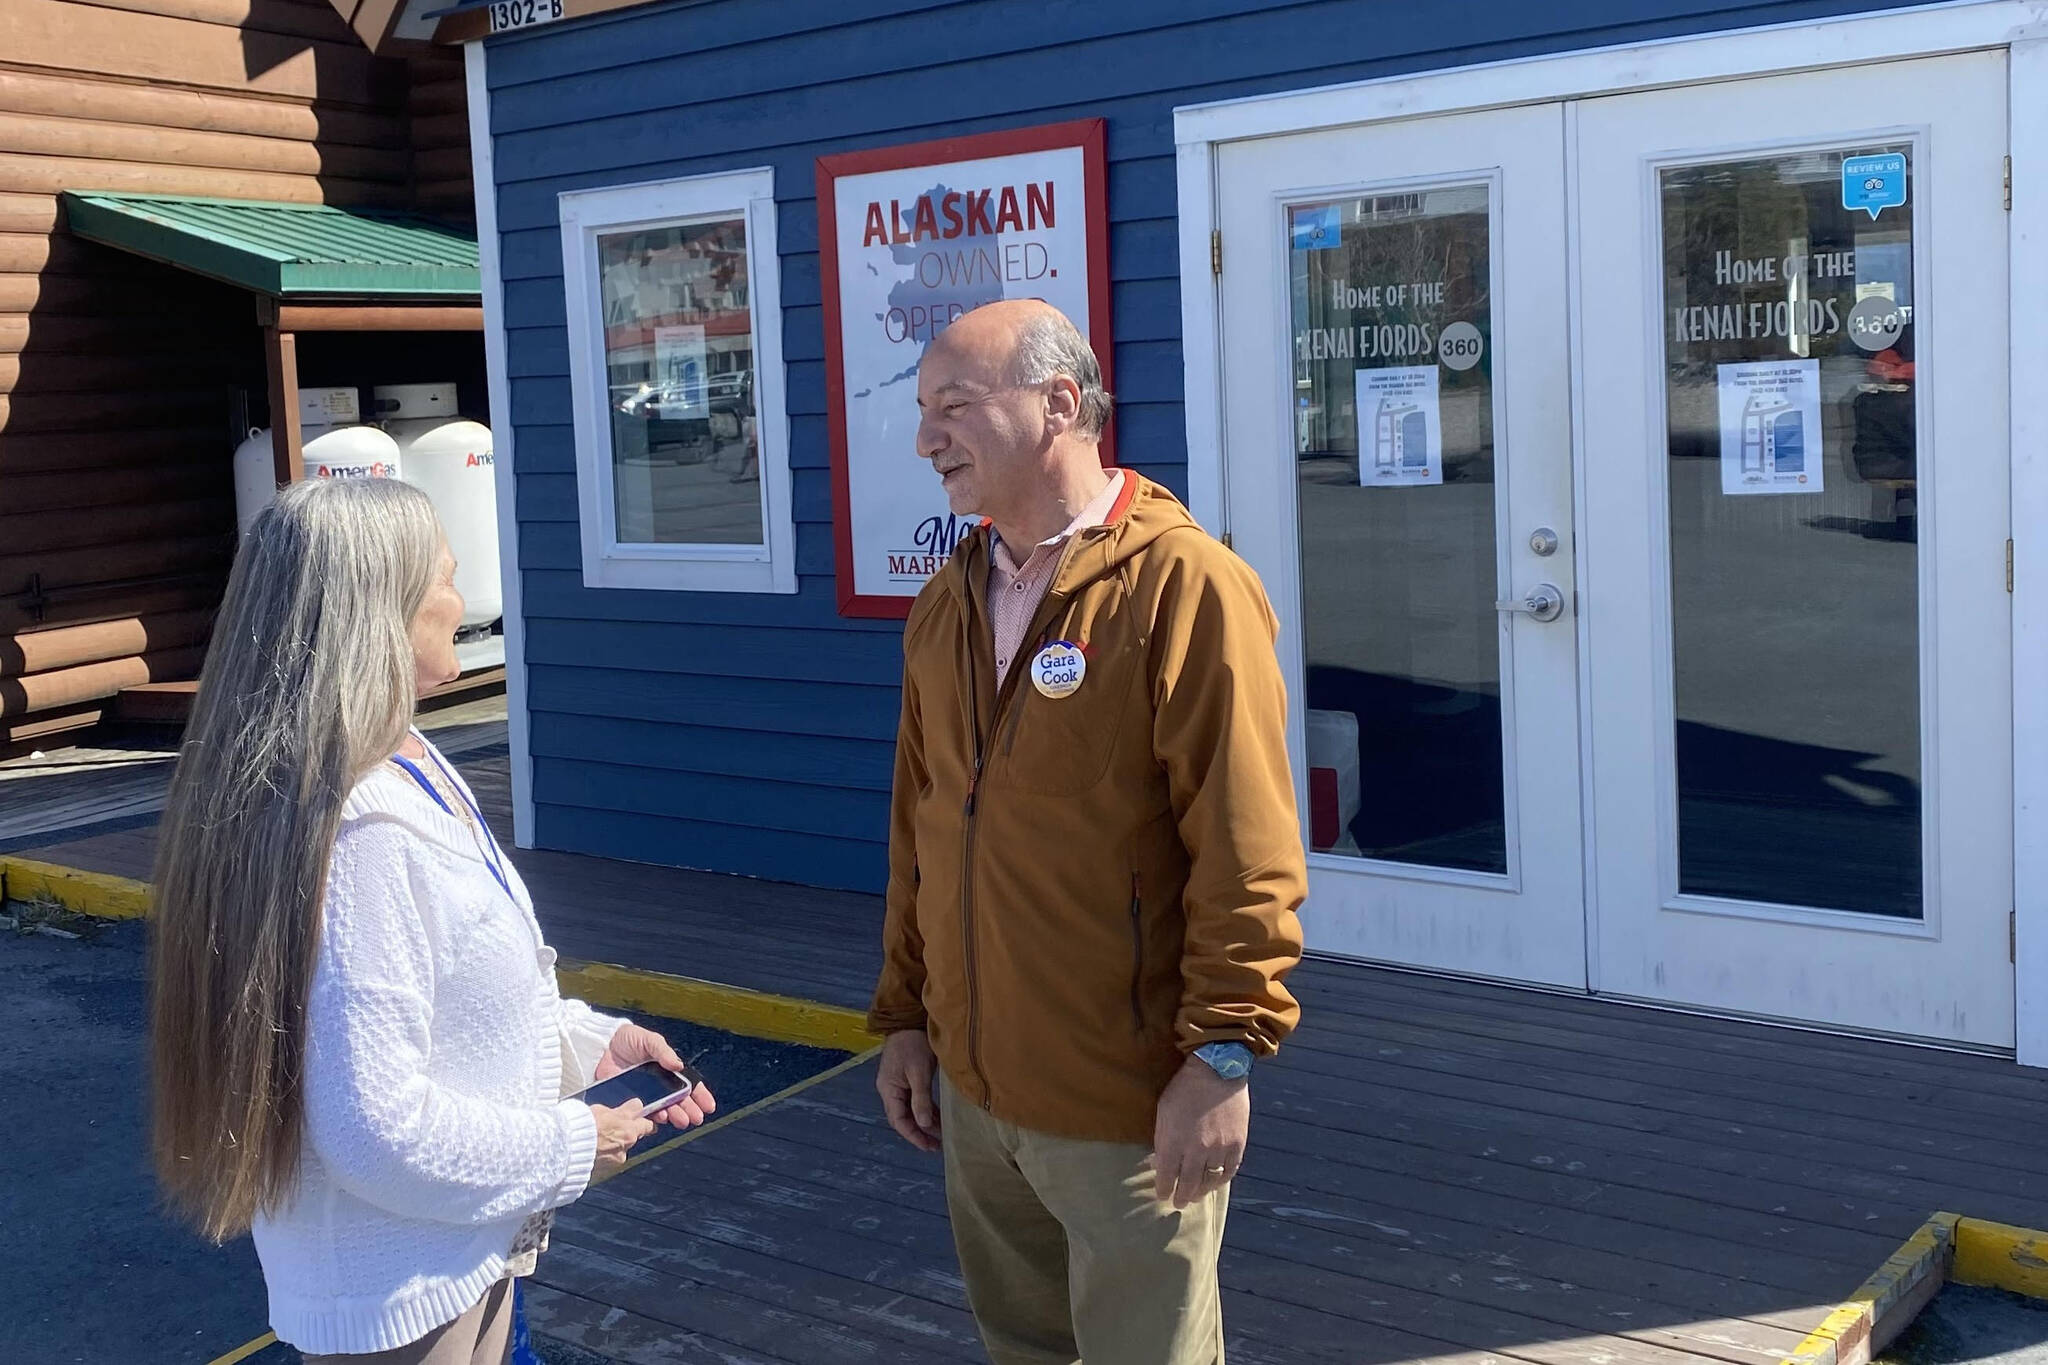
<point x="1792" y="469"/>
<point x="1393" y="407"/>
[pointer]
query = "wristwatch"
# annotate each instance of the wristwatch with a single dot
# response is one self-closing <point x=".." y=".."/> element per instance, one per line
<point x="1231" y="1061"/>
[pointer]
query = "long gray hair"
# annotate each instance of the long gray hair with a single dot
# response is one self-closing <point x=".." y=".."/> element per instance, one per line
<point x="309" y="683"/>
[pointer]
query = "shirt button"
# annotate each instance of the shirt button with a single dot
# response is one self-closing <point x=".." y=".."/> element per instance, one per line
<point x="1017" y="587"/>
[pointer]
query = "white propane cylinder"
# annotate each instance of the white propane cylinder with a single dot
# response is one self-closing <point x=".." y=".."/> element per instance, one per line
<point x="334" y="446"/>
<point x="449" y="459"/>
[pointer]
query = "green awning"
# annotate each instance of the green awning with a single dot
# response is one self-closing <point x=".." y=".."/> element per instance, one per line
<point x="288" y="251"/>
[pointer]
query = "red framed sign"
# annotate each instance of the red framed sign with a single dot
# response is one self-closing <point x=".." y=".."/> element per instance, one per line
<point x="910" y="238"/>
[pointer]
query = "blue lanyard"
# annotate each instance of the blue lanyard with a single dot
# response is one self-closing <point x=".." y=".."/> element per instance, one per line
<point x="493" y="855"/>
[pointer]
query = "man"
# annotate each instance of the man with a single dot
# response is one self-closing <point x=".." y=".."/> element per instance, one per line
<point x="1095" y="865"/>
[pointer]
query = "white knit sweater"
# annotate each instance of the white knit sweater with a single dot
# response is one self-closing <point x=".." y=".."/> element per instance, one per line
<point x="437" y="1057"/>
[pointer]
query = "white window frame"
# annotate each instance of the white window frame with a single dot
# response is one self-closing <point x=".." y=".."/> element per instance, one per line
<point x="769" y="567"/>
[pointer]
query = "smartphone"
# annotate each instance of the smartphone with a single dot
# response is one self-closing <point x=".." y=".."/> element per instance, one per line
<point x="651" y="1083"/>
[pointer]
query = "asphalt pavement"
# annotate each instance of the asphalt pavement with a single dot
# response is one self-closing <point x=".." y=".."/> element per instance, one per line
<point x="92" y="1269"/>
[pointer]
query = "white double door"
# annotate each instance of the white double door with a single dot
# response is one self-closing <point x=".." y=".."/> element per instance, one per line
<point x="1631" y="475"/>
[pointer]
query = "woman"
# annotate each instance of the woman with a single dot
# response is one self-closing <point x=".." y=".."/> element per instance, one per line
<point x="359" y="1051"/>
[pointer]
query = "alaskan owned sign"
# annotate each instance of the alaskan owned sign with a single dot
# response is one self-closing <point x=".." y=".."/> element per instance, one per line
<point x="911" y="238"/>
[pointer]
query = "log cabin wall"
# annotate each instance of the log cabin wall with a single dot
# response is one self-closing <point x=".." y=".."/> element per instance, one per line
<point x="118" y="377"/>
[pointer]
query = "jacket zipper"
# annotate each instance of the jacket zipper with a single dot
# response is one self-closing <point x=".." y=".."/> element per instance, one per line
<point x="1137" y="954"/>
<point x="967" y="871"/>
<point x="967" y="930"/>
<point x="1003" y="693"/>
<point x="967" y="867"/>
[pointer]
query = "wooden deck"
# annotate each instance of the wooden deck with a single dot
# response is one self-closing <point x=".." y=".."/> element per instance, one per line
<point x="73" y="790"/>
<point x="1441" y="1170"/>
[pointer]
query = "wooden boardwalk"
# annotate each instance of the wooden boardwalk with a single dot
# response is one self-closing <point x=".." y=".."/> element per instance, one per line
<point x="1440" y="1170"/>
<point x="68" y="792"/>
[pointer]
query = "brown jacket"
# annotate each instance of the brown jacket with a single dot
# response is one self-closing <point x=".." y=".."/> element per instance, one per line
<point x="1084" y="889"/>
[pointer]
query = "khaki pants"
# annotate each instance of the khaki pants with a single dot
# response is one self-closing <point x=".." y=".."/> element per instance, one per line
<point x="482" y="1336"/>
<point x="1069" y="1256"/>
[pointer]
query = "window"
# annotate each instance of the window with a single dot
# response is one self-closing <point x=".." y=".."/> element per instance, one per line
<point x="1792" y="432"/>
<point x="675" y="368"/>
<point x="1394" y="454"/>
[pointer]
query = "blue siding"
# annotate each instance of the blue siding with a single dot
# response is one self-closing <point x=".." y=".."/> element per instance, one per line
<point x="754" y="734"/>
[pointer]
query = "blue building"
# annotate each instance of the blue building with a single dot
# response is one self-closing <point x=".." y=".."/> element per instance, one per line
<point x="1580" y="702"/>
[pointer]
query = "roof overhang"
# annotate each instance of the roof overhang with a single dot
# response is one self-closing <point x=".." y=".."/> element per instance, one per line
<point x="288" y="252"/>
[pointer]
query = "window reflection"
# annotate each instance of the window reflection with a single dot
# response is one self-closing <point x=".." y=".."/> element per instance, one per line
<point x="1794" y="482"/>
<point x="1393" y="424"/>
<point x="679" y="361"/>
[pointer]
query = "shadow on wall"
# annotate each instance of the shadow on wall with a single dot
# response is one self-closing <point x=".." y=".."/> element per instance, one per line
<point x="389" y="131"/>
<point x="116" y="491"/>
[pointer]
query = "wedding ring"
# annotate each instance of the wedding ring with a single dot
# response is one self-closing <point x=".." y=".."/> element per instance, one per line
<point x="1213" y="1170"/>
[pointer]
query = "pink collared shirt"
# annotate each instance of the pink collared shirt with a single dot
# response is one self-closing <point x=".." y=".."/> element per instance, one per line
<point x="1015" y="590"/>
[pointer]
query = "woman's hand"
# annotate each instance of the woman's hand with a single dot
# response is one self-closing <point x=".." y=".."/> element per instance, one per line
<point x="631" y="1046"/>
<point x="617" y="1130"/>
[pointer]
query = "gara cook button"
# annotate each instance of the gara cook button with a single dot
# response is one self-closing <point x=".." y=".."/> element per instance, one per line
<point x="1057" y="670"/>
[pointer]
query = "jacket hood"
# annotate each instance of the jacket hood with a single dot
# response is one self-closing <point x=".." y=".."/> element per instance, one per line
<point x="1144" y="512"/>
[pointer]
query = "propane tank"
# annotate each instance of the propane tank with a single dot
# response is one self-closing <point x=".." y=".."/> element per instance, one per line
<point x="333" y="442"/>
<point x="449" y="459"/>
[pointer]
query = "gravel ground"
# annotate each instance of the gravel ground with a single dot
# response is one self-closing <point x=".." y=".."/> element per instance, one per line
<point x="1974" y="1325"/>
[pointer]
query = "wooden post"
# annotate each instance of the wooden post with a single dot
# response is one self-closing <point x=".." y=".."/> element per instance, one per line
<point x="287" y="448"/>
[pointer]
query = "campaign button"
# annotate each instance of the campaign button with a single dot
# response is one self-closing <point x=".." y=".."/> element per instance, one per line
<point x="1058" y="669"/>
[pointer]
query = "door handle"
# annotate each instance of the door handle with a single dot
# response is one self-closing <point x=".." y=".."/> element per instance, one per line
<point x="1543" y="603"/>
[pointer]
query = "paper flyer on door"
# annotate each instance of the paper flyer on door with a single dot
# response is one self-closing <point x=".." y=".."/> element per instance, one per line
<point x="1400" y="427"/>
<point x="1770" y="427"/>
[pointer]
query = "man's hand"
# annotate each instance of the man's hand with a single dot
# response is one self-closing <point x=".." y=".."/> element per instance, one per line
<point x="905" y="1082"/>
<point x="631" y="1046"/>
<point x="1198" y="1139"/>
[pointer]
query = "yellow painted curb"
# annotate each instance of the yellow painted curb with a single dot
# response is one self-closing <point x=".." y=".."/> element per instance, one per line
<point x="1867" y="1321"/>
<point x="756" y="1107"/>
<point x="782" y="1018"/>
<point x="2000" y="1256"/>
<point x="87" y="893"/>
<point x="757" y="1014"/>
<point x="245" y="1350"/>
